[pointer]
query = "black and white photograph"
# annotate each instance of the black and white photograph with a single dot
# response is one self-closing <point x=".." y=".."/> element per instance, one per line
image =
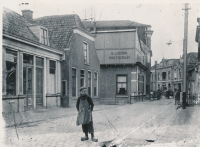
<point x="97" y="73"/>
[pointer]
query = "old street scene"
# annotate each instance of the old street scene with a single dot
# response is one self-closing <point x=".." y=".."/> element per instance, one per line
<point x="87" y="74"/>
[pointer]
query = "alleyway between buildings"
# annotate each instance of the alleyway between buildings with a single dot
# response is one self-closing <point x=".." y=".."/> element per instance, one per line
<point x="127" y="125"/>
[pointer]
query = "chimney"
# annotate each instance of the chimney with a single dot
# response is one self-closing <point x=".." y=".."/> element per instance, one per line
<point x="28" y="14"/>
<point x="94" y="27"/>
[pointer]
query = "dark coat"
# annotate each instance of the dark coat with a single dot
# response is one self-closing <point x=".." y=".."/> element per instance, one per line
<point x="177" y="96"/>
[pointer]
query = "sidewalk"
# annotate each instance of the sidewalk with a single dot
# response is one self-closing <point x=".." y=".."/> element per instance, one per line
<point x="184" y="130"/>
<point x="36" y="115"/>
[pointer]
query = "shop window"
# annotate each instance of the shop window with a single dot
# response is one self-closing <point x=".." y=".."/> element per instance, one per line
<point x="89" y="83"/>
<point x="44" y="36"/>
<point x="95" y="84"/>
<point x="82" y="78"/>
<point x="121" y="84"/>
<point x="27" y="59"/>
<point x="85" y="52"/>
<point x="39" y="62"/>
<point x="11" y="62"/>
<point x="74" y="89"/>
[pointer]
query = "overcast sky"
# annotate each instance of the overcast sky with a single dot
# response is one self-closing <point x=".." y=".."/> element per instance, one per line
<point x="166" y="19"/>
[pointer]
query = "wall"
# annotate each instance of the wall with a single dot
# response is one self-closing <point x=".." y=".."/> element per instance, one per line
<point x="21" y="48"/>
<point x="116" y="47"/>
<point x="75" y="58"/>
<point x="108" y="79"/>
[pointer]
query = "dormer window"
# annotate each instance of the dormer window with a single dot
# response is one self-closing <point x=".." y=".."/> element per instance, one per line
<point x="43" y="34"/>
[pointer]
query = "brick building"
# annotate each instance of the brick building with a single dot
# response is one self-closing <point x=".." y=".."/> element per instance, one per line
<point x="80" y="65"/>
<point x="169" y="73"/>
<point x="124" y="50"/>
<point x="30" y="65"/>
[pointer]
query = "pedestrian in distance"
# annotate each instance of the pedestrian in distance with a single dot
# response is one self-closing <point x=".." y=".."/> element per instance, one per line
<point x="84" y="106"/>
<point x="158" y="93"/>
<point x="177" y="97"/>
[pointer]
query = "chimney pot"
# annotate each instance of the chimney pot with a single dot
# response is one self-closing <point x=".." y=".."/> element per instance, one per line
<point x="28" y="14"/>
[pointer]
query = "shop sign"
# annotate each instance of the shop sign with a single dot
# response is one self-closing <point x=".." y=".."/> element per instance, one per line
<point x="11" y="58"/>
<point x="119" y="56"/>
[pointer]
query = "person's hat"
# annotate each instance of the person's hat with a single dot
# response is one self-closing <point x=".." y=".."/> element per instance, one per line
<point x="82" y="88"/>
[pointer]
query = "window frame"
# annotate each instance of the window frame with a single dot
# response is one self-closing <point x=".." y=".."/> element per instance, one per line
<point x="15" y="63"/>
<point x="76" y="82"/>
<point x="87" y="52"/>
<point x="126" y="75"/>
<point x="82" y="78"/>
<point x="44" y="40"/>
<point x="90" y="82"/>
<point x="96" y="83"/>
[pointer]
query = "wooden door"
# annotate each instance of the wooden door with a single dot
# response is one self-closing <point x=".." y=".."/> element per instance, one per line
<point x="39" y="87"/>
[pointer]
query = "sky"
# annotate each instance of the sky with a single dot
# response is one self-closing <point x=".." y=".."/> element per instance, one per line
<point x="166" y="18"/>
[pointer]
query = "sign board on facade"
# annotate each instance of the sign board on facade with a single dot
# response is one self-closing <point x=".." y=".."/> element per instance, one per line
<point x="119" y="56"/>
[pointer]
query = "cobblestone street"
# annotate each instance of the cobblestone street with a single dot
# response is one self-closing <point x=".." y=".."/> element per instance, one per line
<point x="109" y="124"/>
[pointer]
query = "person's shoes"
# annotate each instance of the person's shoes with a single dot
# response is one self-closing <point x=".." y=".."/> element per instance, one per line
<point x="84" y="138"/>
<point x="94" y="139"/>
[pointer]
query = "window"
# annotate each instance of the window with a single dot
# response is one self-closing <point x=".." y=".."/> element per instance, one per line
<point x="28" y="59"/>
<point x="52" y="67"/>
<point x="169" y="75"/>
<point x="74" y="82"/>
<point x="85" y="52"/>
<point x="121" y="84"/>
<point x="44" y="36"/>
<point x="95" y="84"/>
<point x="82" y="78"/>
<point x="52" y="77"/>
<point x="89" y="83"/>
<point x="174" y="73"/>
<point x="11" y="62"/>
<point x="179" y="73"/>
<point x="140" y="83"/>
<point x="158" y="76"/>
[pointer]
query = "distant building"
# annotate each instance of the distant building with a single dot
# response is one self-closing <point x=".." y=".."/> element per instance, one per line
<point x="170" y="73"/>
<point x="124" y="50"/>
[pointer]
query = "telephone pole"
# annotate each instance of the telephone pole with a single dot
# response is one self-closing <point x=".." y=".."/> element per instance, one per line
<point x="185" y="54"/>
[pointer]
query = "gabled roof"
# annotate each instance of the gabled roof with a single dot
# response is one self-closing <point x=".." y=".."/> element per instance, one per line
<point x="60" y="28"/>
<point x="113" y="24"/>
<point x="15" y="24"/>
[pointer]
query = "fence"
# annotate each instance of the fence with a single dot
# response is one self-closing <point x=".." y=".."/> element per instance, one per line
<point x="193" y="99"/>
<point x="136" y="97"/>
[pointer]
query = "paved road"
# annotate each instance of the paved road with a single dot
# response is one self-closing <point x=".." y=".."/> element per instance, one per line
<point x="109" y="124"/>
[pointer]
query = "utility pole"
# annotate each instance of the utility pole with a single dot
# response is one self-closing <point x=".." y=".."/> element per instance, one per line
<point x="185" y="54"/>
<point x="155" y="75"/>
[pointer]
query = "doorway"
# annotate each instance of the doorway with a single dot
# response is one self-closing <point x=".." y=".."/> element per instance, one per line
<point x="28" y="87"/>
<point x="39" y="87"/>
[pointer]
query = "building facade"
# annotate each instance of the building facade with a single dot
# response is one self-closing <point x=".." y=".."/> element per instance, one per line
<point x="169" y="73"/>
<point x="31" y="67"/>
<point x="124" y="58"/>
<point x="80" y="65"/>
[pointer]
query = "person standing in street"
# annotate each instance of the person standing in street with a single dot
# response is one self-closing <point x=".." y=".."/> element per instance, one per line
<point x="177" y="97"/>
<point x="158" y="93"/>
<point x="84" y="106"/>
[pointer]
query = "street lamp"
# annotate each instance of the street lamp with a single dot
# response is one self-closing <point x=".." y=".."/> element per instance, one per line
<point x="184" y="62"/>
